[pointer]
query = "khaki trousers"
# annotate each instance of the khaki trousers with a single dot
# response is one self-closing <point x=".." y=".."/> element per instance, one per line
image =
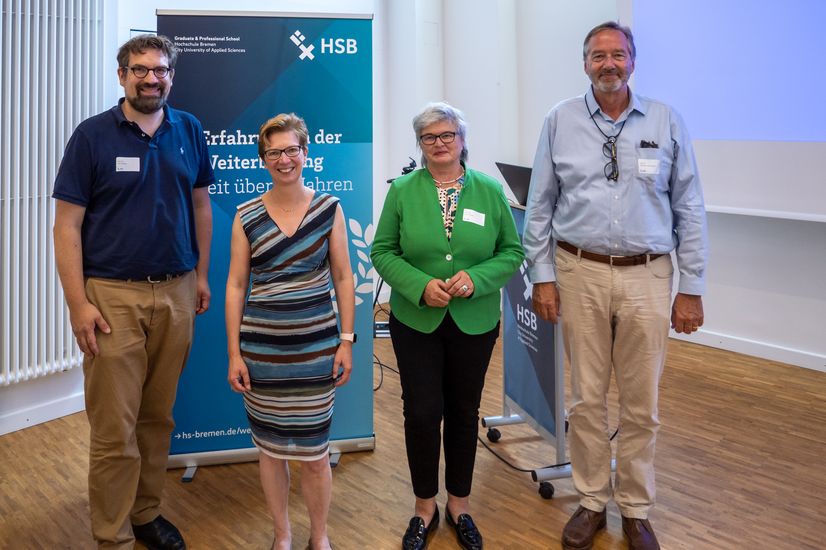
<point x="614" y="318"/>
<point x="130" y="389"/>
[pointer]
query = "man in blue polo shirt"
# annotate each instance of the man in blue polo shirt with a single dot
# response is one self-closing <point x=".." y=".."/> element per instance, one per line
<point x="133" y="225"/>
<point x="614" y="190"/>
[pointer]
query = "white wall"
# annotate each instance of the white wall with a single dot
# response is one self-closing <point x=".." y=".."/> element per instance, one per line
<point x="481" y="77"/>
<point x="414" y="76"/>
<point x="550" y="65"/>
<point x="766" y="295"/>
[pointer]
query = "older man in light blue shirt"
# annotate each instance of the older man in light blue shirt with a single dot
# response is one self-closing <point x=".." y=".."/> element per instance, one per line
<point x="614" y="190"/>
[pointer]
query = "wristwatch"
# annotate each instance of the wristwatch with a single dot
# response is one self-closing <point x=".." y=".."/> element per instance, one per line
<point x="349" y="337"/>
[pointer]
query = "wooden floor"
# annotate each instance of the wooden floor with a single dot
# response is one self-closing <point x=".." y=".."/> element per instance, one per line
<point x="741" y="463"/>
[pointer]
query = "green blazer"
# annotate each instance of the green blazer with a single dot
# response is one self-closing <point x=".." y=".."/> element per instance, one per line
<point x="410" y="248"/>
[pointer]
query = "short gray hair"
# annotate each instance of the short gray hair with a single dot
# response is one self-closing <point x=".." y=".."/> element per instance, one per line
<point x="610" y="26"/>
<point x="439" y="112"/>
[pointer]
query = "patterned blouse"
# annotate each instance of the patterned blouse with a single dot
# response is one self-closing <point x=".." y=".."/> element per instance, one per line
<point x="448" y="199"/>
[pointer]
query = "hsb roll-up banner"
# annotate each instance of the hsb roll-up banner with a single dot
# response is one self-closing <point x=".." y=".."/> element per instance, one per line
<point x="234" y="72"/>
<point x="532" y="355"/>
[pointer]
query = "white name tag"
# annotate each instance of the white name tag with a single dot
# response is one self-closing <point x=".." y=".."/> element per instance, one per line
<point x="648" y="166"/>
<point x="473" y="216"/>
<point x="127" y="164"/>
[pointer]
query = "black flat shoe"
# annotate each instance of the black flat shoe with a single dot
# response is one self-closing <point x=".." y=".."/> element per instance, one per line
<point x="159" y="534"/>
<point x="417" y="535"/>
<point x="467" y="533"/>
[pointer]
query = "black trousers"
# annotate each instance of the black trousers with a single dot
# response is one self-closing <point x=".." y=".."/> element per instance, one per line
<point x="442" y="376"/>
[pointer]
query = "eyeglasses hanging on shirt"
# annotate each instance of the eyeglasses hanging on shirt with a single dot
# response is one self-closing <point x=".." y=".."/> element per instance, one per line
<point x="609" y="148"/>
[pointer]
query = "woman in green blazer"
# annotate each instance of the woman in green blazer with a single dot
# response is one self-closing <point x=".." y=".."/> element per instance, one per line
<point x="446" y="243"/>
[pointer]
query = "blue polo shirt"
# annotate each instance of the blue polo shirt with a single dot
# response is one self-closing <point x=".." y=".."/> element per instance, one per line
<point x="137" y="191"/>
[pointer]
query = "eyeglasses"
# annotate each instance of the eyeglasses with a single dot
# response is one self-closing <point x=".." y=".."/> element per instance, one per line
<point x="609" y="149"/>
<point x="140" y="71"/>
<point x="275" y="154"/>
<point x="430" y="139"/>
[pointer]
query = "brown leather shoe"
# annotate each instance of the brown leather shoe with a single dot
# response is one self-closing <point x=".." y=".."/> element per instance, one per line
<point x="640" y="534"/>
<point x="580" y="530"/>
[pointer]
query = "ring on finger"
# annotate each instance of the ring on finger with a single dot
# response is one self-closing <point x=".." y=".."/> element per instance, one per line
<point x="464" y="288"/>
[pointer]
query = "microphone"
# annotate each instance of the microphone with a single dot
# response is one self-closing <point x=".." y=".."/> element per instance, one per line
<point x="406" y="169"/>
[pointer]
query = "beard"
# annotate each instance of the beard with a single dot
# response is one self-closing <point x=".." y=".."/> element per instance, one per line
<point x="610" y="86"/>
<point x="148" y="104"/>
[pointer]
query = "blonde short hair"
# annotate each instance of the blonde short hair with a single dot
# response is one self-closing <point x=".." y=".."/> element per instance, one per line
<point x="284" y="122"/>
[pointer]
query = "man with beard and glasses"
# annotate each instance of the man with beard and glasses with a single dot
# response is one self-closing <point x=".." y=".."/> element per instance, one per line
<point x="133" y="225"/>
<point x="615" y="190"/>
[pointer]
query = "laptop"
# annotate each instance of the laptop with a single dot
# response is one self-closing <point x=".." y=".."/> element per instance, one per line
<point x="518" y="179"/>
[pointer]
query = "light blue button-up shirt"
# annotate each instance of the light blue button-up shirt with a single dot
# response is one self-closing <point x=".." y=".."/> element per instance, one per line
<point x="654" y="207"/>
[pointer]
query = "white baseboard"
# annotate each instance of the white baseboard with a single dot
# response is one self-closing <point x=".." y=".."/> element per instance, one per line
<point x="42" y="412"/>
<point x="764" y="350"/>
<point x="33" y="402"/>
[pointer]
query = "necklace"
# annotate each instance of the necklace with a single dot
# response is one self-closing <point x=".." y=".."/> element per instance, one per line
<point x="288" y="210"/>
<point x="610" y="139"/>
<point x="291" y="199"/>
<point x="454" y="180"/>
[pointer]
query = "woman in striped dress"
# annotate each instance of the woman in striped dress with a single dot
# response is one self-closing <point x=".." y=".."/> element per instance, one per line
<point x="286" y="355"/>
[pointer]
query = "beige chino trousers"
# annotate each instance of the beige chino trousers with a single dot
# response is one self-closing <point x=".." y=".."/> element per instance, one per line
<point x="130" y="389"/>
<point x="614" y="319"/>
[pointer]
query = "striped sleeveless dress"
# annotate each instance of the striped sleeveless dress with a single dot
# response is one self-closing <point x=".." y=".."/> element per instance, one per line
<point x="289" y="334"/>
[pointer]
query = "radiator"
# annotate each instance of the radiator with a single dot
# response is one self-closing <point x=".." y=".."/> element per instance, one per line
<point x="50" y="80"/>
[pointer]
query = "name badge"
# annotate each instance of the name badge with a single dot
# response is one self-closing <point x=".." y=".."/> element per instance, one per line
<point x="648" y="166"/>
<point x="127" y="164"/>
<point x="473" y="216"/>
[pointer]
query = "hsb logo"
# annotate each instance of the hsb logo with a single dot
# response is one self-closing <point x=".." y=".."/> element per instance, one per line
<point x="526" y="317"/>
<point x="347" y="46"/>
